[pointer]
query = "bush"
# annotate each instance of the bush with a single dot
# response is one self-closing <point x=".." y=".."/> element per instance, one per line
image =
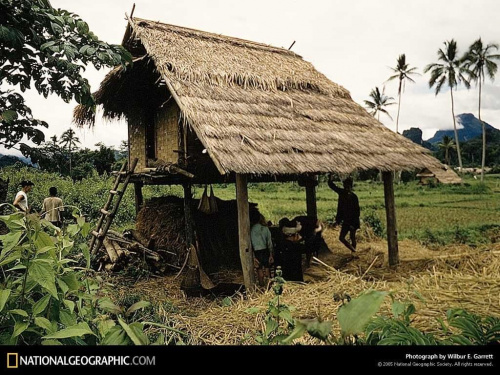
<point x="372" y="220"/>
<point x="45" y="299"/>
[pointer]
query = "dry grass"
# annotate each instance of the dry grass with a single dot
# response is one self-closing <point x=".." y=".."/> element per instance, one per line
<point x="435" y="281"/>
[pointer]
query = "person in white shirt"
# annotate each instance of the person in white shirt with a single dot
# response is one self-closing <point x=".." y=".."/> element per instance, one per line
<point x="21" y="199"/>
<point x="52" y="207"/>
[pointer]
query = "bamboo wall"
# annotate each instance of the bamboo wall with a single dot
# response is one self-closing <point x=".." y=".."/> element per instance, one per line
<point x="167" y="133"/>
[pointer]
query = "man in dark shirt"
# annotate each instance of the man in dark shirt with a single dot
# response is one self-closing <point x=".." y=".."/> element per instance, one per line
<point x="347" y="212"/>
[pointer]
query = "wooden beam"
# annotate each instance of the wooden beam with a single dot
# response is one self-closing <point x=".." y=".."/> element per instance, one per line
<point x="188" y="217"/>
<point x="390" y="210"/>
<point x="139" y="199"/>
<point x="246" y="253"/>
<point x="312" y="208"/>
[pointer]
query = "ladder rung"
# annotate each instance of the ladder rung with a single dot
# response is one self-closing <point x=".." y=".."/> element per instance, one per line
<point x="104" y="212"/>
<point x="122" y="173"/>
<point x="115" y="192"/>
<point x="96" y="234"/>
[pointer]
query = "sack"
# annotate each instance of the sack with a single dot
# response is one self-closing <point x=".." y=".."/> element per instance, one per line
<point x="213" y="201"/>
<point x="204" y="205"/>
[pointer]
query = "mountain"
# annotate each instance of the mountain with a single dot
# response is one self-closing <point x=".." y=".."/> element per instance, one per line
<point x="471" y="128"/>
<point x="415" y="135"/>
<point x="7" y="160"/>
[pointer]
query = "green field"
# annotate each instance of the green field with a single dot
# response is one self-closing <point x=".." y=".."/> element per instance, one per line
<point x="441" y="214"/>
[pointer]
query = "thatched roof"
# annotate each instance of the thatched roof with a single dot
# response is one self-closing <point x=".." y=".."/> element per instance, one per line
<point x="256" y="108"/>
<point x="443" y="174"/>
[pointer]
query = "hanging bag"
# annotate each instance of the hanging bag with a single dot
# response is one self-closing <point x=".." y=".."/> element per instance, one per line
<point x="204" y="205"/>
<point x="213" y="201"/>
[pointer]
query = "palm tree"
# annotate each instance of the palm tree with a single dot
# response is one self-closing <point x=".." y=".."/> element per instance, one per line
<point x="479" y="61"/>
<point x="69" y="140"/>
<point x="380" y="100"/>
<point x="403" y="73"/>
<point x="452" y="72"/>
<point x="447" y="144"/>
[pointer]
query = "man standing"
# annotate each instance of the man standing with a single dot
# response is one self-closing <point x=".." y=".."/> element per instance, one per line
<point x="21" y="199"/>
<point x="52" y="206"/>
<point x="347" y="212"/>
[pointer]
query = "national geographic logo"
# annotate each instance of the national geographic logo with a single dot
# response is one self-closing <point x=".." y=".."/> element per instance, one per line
<point x="12" y="360"/>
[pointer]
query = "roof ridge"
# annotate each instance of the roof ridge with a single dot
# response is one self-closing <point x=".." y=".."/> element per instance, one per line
<point x="221" y="37"/>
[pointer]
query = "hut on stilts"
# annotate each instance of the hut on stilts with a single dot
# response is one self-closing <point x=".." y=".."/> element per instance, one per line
<point x="207" y="108"/>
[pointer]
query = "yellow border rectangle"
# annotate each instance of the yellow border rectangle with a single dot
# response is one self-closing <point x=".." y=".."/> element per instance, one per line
<point x="17" y="360"/>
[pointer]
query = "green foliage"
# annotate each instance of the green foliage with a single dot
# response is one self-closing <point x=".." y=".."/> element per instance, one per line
<point x="372" y="220"/>
<point x="355" y="315"/>
<point x="47" y="48"/>
<point x="473" y="330"/>
<point x="278" y="321"/>
<point x="45" y="299"/>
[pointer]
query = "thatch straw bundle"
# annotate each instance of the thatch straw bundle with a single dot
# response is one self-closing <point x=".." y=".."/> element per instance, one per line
<point x="255" y="108"/>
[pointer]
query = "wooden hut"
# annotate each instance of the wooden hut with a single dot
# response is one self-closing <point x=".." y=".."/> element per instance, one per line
<point x="442" y="174"/>
<point x="203" y="107"/>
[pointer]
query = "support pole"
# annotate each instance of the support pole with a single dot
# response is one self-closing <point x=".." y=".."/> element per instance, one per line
<point x="246" y="253"/>
<point x="139" y="199"/>
<point x="390" y="210"/>
<point x="188" y="218"/>
<point x="312" y="208"/>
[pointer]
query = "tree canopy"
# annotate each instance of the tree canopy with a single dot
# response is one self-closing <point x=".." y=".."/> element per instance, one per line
<point x="47" y="49"/>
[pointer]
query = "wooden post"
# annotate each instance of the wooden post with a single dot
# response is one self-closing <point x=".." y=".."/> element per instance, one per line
<point x="139" y="199"/>
<point x="188" y="218"/>
<point x="312" y="208"/>
<point x="390" y="210"/>
<point x="246" y="253"/>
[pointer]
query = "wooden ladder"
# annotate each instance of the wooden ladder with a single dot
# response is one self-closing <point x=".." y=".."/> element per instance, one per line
<point x="107" y="215"/>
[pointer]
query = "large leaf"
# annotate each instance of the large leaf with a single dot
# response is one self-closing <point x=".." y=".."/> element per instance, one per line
<point x="19" y="328"/>
<point x="71" y="281"/>
<point x="51" y="342"/>
<point x="43" y="240"/>
<point x="70" y="305"/>
<point x="9" y="241"/>
<point x="67" y="318"/>
<point x="134" y="332"/>
<point x="116" y="336"/>
<point x="19" y="312"/>
<point x="137" y="306"/>
<point x="297" y="332"/>
<point x="10" y="257"/>
<point x="104" y="326"/>
<point x="43" y="274"/>
<point x="44" y="323"/>
<point x="4" y="296"/>
<point x="41" y="304"/>
<point x="78" y="330"/>
<point x="110" y="307"/>
<point x="355" y="315"/>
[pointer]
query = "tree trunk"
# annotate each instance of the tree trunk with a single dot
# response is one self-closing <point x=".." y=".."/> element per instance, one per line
<point x="397" y="118"/>
<point x="390" y="210"/>
<point x="456" y="132"/>
<point x="483" y="161"/>
<point x="246" y="253"/>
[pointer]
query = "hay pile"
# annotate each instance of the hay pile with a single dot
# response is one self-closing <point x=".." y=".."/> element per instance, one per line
<point x="457" y="277"/>
<point x="162" y="219"/>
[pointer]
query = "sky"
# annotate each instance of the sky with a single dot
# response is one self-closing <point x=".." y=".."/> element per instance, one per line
<point x="354" y="43"/>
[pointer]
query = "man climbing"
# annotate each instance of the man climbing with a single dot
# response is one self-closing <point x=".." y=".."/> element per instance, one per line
<point x="347" y="212"/>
